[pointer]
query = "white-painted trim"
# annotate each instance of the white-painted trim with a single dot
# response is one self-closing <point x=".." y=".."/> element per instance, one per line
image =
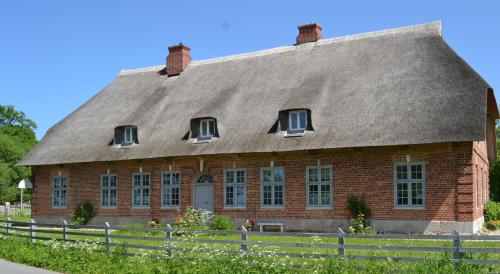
<point x="272" y="188"/>
<point x="319" y="183"/>
<point x="53" y="189"/>
<point x="235" y="185"/>
<point x="299" y="127"/>
<point x="149" y="187"/>
<point x="109" y="188"/>
<point x="408" y="181"/>
<point x="170" y="173"/>
<point x="207" y="121"/>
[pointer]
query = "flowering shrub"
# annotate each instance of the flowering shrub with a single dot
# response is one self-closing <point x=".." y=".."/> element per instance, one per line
<point x="193" y="219"/>
<point x="493" y="225"/>
<point x="249" y="224"/>
<point x="83" y="213"/>
<point x="358" y="225"/>
<point x="155" y="222"/>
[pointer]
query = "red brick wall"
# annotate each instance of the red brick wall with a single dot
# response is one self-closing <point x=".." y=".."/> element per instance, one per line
<point x="366" y="172"/>
<point x="480" y="187"/>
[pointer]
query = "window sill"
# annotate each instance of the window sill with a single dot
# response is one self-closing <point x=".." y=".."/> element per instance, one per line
<point x="169" y="207"/>
<point x="203" y="140"/>
<point x="235" y="207"/>
<point x="319" y="207"/>
<point x="58" y="207"/>
<point x="409" y="207"/>
<point x="294" y="133"/>
<point x="272" y="207"/>
<point x="108" y="207"/>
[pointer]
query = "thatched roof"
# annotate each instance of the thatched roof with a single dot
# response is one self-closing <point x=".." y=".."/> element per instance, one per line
<point x="400" y="86"/>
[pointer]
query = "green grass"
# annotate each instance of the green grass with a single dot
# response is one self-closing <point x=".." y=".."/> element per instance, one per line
<point x="17" y="218"/>
<point x="284" y="239"/>
<point x="84" y="258"/>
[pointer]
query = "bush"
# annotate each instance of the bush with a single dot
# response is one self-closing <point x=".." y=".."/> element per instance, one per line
<point x="491" y="211"/>
<point x="192" y="219"/>
<point x="222" y="222"/>
<point x="358" y="206"/>
<point x="495" y="180"/>
<point x="83" y="213"/>
<point x="493" y="225"/>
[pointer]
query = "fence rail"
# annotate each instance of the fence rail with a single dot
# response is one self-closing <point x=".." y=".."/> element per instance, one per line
<point x="104" y="235"/>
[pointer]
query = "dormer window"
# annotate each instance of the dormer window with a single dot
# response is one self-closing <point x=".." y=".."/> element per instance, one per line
<point x="128" y="138"/>
<point x="207" y="128"/>
<point x="125" y="136"/>
<point x="297" y="120"/>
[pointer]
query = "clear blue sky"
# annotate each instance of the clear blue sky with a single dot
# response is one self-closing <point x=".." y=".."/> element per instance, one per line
<point x="55" y="55"/>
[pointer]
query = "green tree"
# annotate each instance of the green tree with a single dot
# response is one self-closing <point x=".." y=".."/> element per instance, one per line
<point x="17" y="137"/>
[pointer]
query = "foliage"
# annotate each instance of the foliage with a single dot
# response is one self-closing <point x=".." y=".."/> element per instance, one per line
<point x="84" y="257"/>
<point x="358" y="225"/>
<point x="495" y="181"/>
<point x="249" y="224"/>
<point x="357" y="205"/>
<point x="192" y="219"/>
<point x="17" y="137"/>
<point x="155" y="222"/>
<point x="493" y="225"/>
<point x="83" y="213"/>
<point x="222" y="222"/>
<point x="492" y="211"/>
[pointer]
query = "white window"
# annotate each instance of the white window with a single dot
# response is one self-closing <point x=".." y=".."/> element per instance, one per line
<point x="207" y="128"/>
<point x="319" y="186"/>
<point x="298" y="120"/>
<point x="409" y="185"/>
<point x="235" y="188"/>
<point x="141" y="190"/>
<point x="59" y="192"/>
<point x="170" y="189"/>
<point x="273" y="182"/>
<point x="129" y="137"/>
<point x="108" y="190"/>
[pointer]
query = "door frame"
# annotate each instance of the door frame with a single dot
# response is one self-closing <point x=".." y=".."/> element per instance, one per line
<point x="197" y="184"/>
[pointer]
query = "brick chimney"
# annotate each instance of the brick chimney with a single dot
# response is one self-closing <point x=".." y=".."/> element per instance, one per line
<point x="178" y="59"/>
<point x="309" y="33"/>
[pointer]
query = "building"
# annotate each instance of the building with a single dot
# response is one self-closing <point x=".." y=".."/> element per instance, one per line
<point x="286" y="134"/>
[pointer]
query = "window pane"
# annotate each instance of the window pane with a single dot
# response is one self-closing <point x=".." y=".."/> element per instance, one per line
<point x="229" y="195"/>
<point x="145" y="179"/>
<point x="267" y="194"/>
<point x="112" y="200"/>
<point x="303" y="119"/>
<point x="137" y="197"/>
<point x="176" y="178"/>
<point x="204" y="128"/>
<point x="313" y="195"/>
<point x="416" y="171"/>
<point x="104" y="181"/>
<point x="137" y="180"/>
<point x="294" y="119"/>
<point x="175" y="196"/>
<point x="402" y="194"/>
<point x="266" y="175"/>
<point x="325" y="194"/>
<point x="416" y="193"/>
<point x="326" y="174"/>
<point x="145" y="197"/>
<point x="240" y="195"/>
<point x="240" y="177"/>
<point x="112" y="181"/>
<point x="313" y="174"/>
<point x="401" y="172"/>
<point x="166" y="196"/>
<point x="229" y="177"/>
<point x="279" y="175"/>
<point x="105" y="196"/>
<point x="211" y="128"/>
<point x="278" y="195"/>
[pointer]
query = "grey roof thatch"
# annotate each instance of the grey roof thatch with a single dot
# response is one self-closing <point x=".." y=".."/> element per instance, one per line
<point x="400" y="86"/>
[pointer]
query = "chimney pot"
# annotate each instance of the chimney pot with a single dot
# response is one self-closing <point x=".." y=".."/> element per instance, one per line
<point x="309" y="33"/>
<point x="178" y="59"/>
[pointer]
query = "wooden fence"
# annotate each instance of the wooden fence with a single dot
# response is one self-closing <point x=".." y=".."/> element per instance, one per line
<point x="105" y="234"/>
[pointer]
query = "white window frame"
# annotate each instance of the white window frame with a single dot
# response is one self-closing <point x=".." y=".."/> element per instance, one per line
<point x="141" y="187"/>
<point x="299" y="126"/>
<point x="408" y="182"/>
<point x="165" y="187"/>
<point x="272" y="184"/>
<point x="207" y="121"/>
<point x="126" y="140"/>
<point x="235" y="184"/>
<point x="57" y="192"/>
<point x="319" y="183"/>
<point x="109" y="188"/>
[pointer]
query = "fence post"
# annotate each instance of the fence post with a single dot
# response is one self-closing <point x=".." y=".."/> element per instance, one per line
<point x="7" y="227"/>
<point x="32" y="231"/>
<point x="168" y="236"/>
<point x="65" y="228"/>
<point x="457" y="255"/>
<point x="341" y="241"/>
<point x="244" y="238"/>
<point x="107" y="233"/>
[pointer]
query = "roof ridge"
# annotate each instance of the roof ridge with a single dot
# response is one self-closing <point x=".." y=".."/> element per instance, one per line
<point x="431" y="27"/>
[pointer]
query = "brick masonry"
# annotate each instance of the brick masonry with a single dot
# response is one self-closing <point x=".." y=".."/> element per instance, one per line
<point x="367" y="172"/>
